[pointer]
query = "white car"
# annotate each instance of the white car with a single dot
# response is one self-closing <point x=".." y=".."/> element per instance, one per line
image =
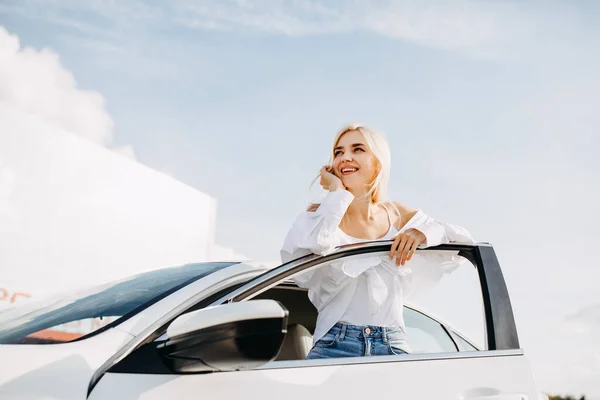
<point x="237" y="330"/>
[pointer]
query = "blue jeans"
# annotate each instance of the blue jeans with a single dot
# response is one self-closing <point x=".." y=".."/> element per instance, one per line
<point x="345" y="340"/>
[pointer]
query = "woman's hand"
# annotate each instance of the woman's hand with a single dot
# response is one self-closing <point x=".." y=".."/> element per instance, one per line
<point x="405" y="244"/>
<point x="329" y="181"/>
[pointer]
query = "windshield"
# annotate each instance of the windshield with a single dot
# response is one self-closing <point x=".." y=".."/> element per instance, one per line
<point x="70" y="317"/>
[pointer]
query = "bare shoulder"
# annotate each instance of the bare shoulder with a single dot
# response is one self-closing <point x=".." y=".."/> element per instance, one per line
<point x="313" y="207"/>
<point x="402" y="211"/>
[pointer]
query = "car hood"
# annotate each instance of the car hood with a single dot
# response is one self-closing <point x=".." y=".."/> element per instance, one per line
<point x="55" y="371"/>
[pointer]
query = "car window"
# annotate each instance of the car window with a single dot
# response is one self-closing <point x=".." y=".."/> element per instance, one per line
<point x="454" y="300"/>
<point x="66" y="318"/>
<point x="442" y="287"/>
<point x="426" y="335"/>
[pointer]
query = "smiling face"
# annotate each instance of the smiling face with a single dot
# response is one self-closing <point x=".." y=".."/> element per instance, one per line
<point x="354" y="162"/>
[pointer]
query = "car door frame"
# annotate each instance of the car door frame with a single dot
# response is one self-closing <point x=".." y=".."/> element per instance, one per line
<point x="500" y="327"/>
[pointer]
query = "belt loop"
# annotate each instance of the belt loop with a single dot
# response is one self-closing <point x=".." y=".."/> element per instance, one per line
<point x="384" y="335"/>
<point x="343" y="332"/>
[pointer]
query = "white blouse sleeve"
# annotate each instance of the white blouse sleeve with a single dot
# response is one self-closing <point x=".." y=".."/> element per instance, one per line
<point x="317" y="232"/>
<point x="437" y="232"/>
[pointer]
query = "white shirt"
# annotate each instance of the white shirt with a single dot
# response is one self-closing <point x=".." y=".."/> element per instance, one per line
<point x="367" y="289"/>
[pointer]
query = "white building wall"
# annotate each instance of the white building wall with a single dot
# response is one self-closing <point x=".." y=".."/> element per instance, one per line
<point x="73" y="213"/>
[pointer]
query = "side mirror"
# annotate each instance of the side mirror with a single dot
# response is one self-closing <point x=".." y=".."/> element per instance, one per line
<point x="227" y="337"/>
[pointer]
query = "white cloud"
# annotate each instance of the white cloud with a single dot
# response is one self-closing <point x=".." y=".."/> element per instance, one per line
<point x="489" y="29"/>
<point x="438" y="24"/>
<point x="36" y="82"/>
<point x="473" y="26"/>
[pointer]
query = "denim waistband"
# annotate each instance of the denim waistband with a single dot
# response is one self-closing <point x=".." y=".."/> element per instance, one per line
<point x="367" y="331"/>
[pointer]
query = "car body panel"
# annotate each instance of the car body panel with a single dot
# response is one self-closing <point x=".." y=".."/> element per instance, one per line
<point x="505" y="377"/>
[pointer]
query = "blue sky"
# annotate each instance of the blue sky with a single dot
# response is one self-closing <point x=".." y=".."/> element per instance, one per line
<point x="490" y="108"/>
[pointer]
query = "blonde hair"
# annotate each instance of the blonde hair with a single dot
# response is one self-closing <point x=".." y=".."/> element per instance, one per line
<point x="379" y="146"/>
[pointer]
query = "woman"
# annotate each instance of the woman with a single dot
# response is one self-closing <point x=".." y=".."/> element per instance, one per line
<point x="360" y="299"/>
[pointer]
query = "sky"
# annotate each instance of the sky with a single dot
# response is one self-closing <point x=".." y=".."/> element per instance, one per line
<point x="490" y="109"/>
